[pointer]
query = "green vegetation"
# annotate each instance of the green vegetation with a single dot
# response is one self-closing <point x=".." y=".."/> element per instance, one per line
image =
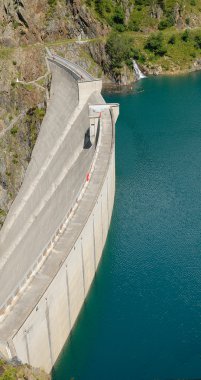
<point x="154" y="32"/>
<point x="33" y="121"/>
<point x="137" y="15"/>
<point x="40" y="113"/>
<point x="2" y="214"/>
<point x="9" y="371"/>
<point x="111" y="11"/>
<point x="14" y="130"/>
<point x="155" y="44"/>
<point x="120" y="48"/>
<point x="170" y="50"/>
<point x="52" y="5"/>
<point x="172" y="40"/>
<point x="9" y="374"/>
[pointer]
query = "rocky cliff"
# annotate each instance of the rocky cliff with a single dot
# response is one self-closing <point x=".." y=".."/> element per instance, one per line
<point x="31" y="21"/>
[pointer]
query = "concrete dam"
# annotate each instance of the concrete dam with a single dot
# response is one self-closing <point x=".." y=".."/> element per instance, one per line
<point x="54" y="234"/>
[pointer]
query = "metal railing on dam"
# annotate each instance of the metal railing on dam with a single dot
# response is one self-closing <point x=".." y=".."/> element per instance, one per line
<point x="54" y="234"/>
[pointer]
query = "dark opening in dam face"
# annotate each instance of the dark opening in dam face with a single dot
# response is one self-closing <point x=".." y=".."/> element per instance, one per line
<point x="142" y="318"/>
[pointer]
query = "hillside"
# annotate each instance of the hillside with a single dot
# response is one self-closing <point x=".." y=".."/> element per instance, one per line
<point x="27" y="22"/>
<point x="162" y="35"/>
<point x="147" y="15"/>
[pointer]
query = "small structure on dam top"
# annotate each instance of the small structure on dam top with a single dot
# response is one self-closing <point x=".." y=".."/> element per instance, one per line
<point x="54" y="235"/>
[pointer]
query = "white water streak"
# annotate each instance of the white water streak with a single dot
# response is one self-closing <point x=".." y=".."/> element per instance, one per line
<point x="138" y="72"/>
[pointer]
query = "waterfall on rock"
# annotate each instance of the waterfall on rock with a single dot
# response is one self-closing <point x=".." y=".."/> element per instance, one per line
<point x="138" y="73"/>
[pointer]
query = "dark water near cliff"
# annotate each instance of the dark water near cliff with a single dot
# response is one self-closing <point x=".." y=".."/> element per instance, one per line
<point x="142" y="318"/>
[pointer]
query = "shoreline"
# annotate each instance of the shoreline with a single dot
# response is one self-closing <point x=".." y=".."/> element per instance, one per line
<point x="111" y="87"/>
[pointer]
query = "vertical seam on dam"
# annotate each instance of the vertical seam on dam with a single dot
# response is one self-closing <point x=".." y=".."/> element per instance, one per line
<point x="49" y="332"/>
<point x="27" y="345"/>
<point x="94" y="241"/>
<point x="102" y="217"/>
<point x="83" y="272"/>
<point x="68" y="297"/>
<point x="108" y="216"/>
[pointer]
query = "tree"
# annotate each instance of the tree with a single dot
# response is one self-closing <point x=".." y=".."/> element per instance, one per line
<point x="120" y="49"/>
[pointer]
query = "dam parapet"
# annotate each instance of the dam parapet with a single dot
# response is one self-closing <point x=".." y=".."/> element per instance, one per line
<point x="54" y="235"/>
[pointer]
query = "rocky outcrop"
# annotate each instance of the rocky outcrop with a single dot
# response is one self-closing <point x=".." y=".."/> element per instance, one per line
<point x="29" y="21"/>
<point x="156" y="11"/>
<point x="83" y="22"/>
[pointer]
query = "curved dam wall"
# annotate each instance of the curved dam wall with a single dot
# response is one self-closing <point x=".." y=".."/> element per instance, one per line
<point x="54" y="235"/>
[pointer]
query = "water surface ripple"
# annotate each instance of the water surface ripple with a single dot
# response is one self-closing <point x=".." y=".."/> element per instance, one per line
<point x="142" y="318"/>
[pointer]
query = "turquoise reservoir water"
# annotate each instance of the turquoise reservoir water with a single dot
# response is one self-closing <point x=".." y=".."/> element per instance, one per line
<point x="142" y="318"/>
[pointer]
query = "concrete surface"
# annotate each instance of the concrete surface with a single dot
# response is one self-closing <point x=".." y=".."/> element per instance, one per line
<point x="53" y="237"/>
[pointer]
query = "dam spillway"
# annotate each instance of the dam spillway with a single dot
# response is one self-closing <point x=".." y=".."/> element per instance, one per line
<point x="54" y="234"/>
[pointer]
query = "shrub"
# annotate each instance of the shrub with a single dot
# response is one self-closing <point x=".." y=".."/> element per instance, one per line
<point x="40" y="113"/>
<point x="134" y="25"/>
<point x="142" y="2"/>
<point x="172" y="40"/>
<point x="155" y="44"/>
<point x="166" y="23"/>
<point x="103" y="6"/>
<point x="13" y="131"/>
<point x="111" y="11"/>
<point x="185" y="36"/>
<point x="2" y="212"/>
<point x="119" y="16"/>
<point x="138" y="56"/>
<point x="193" y="54"/>
<point x="52" y="3"/>
<point x="9" y="374"/>
<point x="197" y="40"/>
<point x="188" y="20"/>
<point x="120" y="28"/>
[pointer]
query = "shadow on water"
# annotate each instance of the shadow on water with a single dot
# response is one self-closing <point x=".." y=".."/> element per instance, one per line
<point x="142" y="317"/>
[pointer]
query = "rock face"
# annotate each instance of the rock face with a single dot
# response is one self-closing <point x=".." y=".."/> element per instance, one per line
<point x="22" y="107"/>
<point x="29" y="21"/>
